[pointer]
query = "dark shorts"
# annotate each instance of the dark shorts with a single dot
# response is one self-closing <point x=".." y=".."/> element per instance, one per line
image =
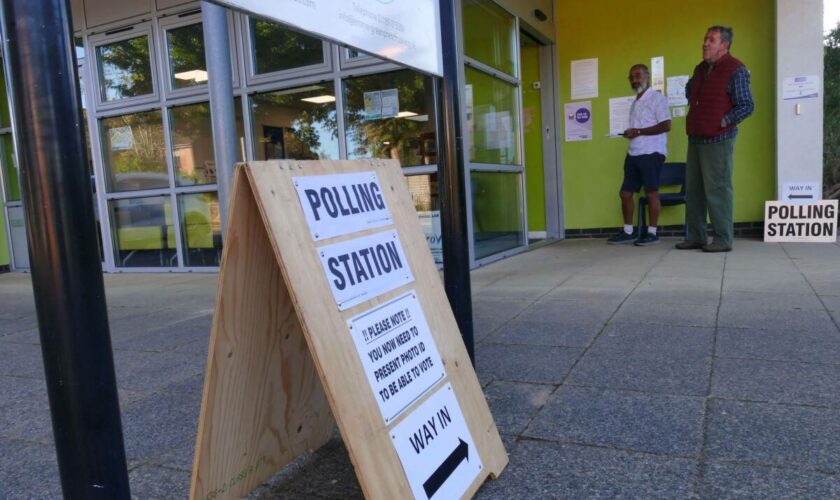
<point x="642" y="170"/>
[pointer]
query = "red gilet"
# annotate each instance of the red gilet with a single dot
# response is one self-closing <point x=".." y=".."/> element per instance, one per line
<point x="709" y="101"/>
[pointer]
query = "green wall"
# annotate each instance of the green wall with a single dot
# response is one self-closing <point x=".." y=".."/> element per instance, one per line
<point x="4" y="242"/>
<point x="532" y="130"/>
<point x="620" y="34"/>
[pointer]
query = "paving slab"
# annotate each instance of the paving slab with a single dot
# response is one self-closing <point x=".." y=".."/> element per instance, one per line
<point x="622" y="419"/>
<point x="664" y="296"/>
<point x="514" y="404"/>
<point x="655" y="338"/>
<point x="746" y="315"/>
<point x="768" y="299"/>
<point x="772" y="434"/>
<point x="647" y="313"/>
<point x="572" y="333"/>
<point x="727" y="481"/>
<point x="28" y="470"/>
<point x="524" y="363"/>
<point x="779" y="345"/>
<point x="777" y="381"/>
<point x="540" y="469"/>
<point x="675" y="373"/>
<point x="155" y="482"/>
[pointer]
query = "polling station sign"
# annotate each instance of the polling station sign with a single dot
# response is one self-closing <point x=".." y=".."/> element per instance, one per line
<point x="398" y="353"/>
<point x="816" y="222"/>
<point x="363" y="268"/>
<point x="436" y="449"/>
<point x="340" y="204"/>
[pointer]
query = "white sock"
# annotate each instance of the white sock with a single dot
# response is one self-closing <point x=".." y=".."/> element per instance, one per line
<point x="652" y="230"/>
<point x="628" y="229"/>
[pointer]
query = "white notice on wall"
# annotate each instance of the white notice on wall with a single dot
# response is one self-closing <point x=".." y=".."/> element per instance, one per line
<point x="436" y="449"/>
<point x="340" y="204"/>
<point x="657" y="73"/>
<point x="578" y="122"/>
<point x="363" y="268"/>
<point x="373" y="104"/>
<point x="620" y="114"/>
<point x="584" y="79"/>
<point x="801" y="87"/>
<point x="676" y="90"/>
<point x="398" y="353"/>
<point x="430" y="223"/>
<point x="816" y="222"/>
<point x="390" y="103"/>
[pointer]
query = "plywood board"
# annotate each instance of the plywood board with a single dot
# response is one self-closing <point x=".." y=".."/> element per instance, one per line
<point x="327" y="340"/>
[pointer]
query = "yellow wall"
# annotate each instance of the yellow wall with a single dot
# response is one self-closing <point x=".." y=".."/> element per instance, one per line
<point x="620" y="34"/>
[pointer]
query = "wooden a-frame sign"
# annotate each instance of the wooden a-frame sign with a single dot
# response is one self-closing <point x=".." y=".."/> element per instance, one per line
<point x="292" y="351"/>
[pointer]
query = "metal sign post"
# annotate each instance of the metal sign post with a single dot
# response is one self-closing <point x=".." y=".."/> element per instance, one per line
<point x="453" y="211"/>
<point x="66" y="270"/>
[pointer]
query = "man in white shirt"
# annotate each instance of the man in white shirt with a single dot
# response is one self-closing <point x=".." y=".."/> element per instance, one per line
<point x="650" y="122"/>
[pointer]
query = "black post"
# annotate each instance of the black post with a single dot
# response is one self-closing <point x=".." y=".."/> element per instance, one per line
<point x="66" y="270"/>
<point x="453" y="210"/>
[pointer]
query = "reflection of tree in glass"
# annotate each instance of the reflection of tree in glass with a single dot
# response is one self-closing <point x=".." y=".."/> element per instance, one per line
<point x="277" y="48"/>
<point x="831" y="113"/>
<point x="125" y="68"/>
<point x="191" y="130"/>
<point x="146" y="150"/>
<point x="395" y="138"/>
<point x="304" y="121"/>
<point x="186" y="53"/>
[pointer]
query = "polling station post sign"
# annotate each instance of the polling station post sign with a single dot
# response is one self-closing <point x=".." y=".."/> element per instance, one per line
<point x="363" y="268"/>
<point x="398" y="353"/>
<point x="348" y="327"/>
<point x="340" y="204"/>
<point x="436" y="449"/>
<point x="816" y="222"/>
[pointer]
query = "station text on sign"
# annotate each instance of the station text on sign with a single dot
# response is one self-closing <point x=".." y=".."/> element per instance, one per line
<point x="363" y="268"/>
<point x="815" y="222"/>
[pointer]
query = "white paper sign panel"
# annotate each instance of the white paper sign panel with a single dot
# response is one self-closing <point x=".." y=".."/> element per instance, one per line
<point x="405" y="31"/>
<point x="342" y="203"/>
<point x="436" y="449"/>
<point x="398" y="353"/>
<point x="816" y="222"/>
<point x="363" y="268"/>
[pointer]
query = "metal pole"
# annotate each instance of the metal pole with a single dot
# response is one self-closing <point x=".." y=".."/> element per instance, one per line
<point x="453" y="212"/>
<point x="220" y="82"/>
<point x="66" y="271"/>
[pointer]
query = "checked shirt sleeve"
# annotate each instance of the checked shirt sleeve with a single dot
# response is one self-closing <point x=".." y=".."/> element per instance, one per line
<point x="742" y="100"/>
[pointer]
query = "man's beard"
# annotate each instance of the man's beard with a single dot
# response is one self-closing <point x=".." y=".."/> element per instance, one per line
<point x="641" y="88"/>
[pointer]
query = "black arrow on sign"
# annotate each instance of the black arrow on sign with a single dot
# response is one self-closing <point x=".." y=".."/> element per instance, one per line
<point x="800" y="196"/>
<point x="438" y="477"/>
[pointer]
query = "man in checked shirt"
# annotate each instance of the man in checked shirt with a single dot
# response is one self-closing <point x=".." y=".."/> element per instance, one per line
<point x="719" y="99"/>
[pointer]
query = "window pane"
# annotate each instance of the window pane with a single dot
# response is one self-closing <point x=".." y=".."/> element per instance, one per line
<point x="187" y="66"/>
<point x="424" y="193"/>
<point x="278" y="48"/>
<point x="10" y="169"/>
<point x="391" y="115"/>
<point x="124" y="69"/>
<point x="143" y="232"/>
<point x="492" y="119"/>
<point x="192" y="142"/>
<point x="497" y="212"/>
<point x="202" y="229"/>
<point x="490" y="35"/>
<point x="134" y="151"/>
<point x="296" y="123"/>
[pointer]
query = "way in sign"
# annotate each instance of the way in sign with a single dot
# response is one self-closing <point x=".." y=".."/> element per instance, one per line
<point x="429" y="431"/>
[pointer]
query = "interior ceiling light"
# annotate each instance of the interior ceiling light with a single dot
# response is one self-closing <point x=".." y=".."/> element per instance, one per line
<point x="417" y="118"/>
<point x="196" y="75"/>
<point x="319" y="99"/>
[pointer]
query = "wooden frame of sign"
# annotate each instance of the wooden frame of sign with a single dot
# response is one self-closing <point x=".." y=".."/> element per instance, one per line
<point x="284" y="361"/>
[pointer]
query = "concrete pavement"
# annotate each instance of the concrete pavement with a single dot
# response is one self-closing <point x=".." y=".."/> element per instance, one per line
<point x="611" y="372"/>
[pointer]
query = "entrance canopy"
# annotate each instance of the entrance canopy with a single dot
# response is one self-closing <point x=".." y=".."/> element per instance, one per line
<point x="404" y="31"/>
